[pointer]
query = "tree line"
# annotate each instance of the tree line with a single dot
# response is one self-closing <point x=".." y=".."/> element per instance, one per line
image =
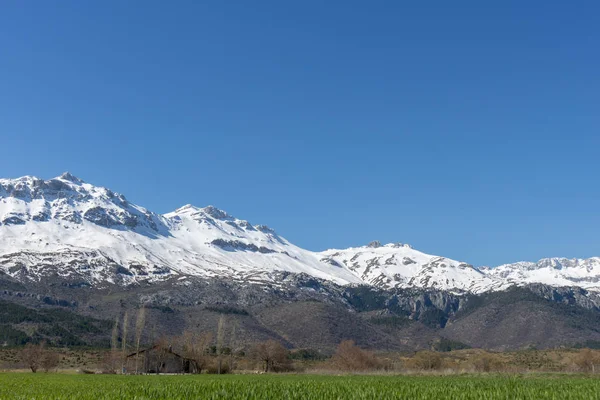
<point x="217" y="351"/>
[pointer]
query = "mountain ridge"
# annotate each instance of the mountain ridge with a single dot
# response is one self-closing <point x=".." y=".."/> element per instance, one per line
<point x="69" y="228"/>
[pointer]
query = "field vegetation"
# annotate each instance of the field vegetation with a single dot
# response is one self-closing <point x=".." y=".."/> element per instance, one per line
<point x="67" y="387"/>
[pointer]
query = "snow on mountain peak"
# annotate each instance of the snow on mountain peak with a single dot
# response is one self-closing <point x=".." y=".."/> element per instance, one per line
<point x="215" y="212"/>
<point x="187" y="209"/>
<point x="376" y="244"/>
<point x="552" y="271"/>
<point x="67" y="176"/>
<point x="265" y="229"/>
<point x="210" y="211"/>
<point x="399" y="245"/>
<point x="92" y="234"/>
<point x="68" y="200"/>
<point x="396" y="265"/>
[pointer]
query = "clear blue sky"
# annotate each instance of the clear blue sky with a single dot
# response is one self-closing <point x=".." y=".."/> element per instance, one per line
<point x="467" y="129"/>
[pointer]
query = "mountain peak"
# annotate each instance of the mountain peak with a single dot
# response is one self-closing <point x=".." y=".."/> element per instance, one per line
<point x="67" y="176"/>
<point x="187" y="207"/>
<point x="215" y="212"/>
<point x="210" y="211"/>
<point x="399" y="245"/>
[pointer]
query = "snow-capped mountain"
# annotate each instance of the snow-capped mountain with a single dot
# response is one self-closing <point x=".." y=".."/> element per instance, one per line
<point x="87" y="235"/>
<point x="69" y="228"/>
<point x="584" y="273"/>
<point x="399" y="265"/>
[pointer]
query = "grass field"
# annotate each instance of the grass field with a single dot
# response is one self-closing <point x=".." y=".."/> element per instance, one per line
<point x="57" y="386"/>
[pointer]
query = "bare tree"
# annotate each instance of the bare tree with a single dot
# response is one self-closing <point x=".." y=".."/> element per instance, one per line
<point x="114" y="339"/>
<point x="31" y="355"/>
<point x="233" y="345"/>
<point x="124" y="341"/>
<point x="272" y="354"/>
<point x="111" y="360"/>
<point x="587" y="360"/>
<point x="220" y="341"/>
<point x="163" y="348"/>
<point x="153" y="335"/>
<point x="139" y="329"/>
<point x="195" y="347"/>
<point x="349" y="357"/>
<point x="49" y="360"/>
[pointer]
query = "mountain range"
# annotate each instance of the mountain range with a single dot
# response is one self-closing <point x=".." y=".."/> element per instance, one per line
<point x="89" y="251"/>
<point x="81" y="232"/>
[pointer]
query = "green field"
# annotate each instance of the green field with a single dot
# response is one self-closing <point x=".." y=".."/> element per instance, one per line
<point x="56" y="386"/>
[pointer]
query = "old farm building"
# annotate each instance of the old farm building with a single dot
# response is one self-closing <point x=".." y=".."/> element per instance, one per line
<point x="158" y="359"/>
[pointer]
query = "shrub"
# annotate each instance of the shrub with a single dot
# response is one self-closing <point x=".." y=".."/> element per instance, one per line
<point x="349" y="357"/>
<point x="587" y="360"/>
<point x="449" y="345"/>
<point x="427" y="360"/>
<point x="88" y="372"/>
<point x="307" y="354"/>
<point x="486" y="363"/>
<point x="214" y="368"/>
<point x="111" y="362"/>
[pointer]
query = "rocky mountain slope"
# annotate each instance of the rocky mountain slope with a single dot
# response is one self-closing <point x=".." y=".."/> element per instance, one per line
<point x="68" y="230"/>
